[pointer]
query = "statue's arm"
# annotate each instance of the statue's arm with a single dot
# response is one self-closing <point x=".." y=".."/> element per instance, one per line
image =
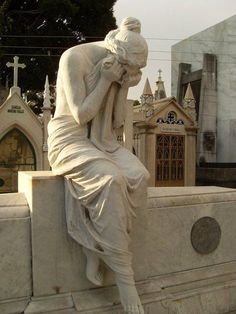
<point x="120" y="108"/>
<point x="84" y="107"/>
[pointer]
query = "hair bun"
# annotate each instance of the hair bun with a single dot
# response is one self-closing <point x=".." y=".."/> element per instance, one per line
<point x="131" y="24"/>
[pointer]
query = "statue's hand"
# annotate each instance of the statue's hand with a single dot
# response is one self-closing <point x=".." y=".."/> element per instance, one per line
<point x="130" y="80"/>
<point x="112" y="70"/>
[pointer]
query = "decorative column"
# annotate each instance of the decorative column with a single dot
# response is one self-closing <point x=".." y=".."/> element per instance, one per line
<point x="206" y="146"/>
<point x="46" y="118"/>
<point x="190" y="165"/>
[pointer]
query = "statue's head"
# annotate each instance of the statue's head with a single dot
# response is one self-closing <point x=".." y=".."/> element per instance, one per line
<point x="127" y="44"/>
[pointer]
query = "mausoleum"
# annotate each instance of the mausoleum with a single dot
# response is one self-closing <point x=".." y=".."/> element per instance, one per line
<point x="23" y="136"/>
<point x="206" y="61"/>
<point x="164" y="136"/>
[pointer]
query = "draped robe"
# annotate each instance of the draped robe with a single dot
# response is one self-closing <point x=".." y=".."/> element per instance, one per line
<point x="104" y="182"/>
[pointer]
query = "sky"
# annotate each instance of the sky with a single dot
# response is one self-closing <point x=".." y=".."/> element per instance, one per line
<point x="166" y="22"/>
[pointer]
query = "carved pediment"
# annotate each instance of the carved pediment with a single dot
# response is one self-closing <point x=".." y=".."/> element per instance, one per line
<point x="168" y="111"/>
<point x="14" y="108"/>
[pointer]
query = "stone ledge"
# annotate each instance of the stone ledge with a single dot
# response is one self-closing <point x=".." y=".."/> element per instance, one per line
<point x="53" y="303"/>
<point x="184" y="196"/>
<point x="212" y="295"/>
<point x="13" y="206"/>
<point x="13" y="199"/>
<point x="14" y="306"/>
<point x="39" y="175"/>
<point x="160" y="197"/>
<point x="14" y="212"/>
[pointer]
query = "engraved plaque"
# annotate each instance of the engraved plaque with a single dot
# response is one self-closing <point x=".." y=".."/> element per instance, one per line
<point x="205" y="235"/>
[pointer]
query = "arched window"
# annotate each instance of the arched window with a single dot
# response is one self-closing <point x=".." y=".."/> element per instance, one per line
<point x="17" y="154"/>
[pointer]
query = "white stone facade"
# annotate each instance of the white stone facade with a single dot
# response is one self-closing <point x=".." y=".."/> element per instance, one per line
<point x="17" y="117"/>
<point x="218" y="40"/>
<point x="146" y="124"/>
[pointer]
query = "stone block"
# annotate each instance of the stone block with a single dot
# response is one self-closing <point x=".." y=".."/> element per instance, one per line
<point x="15" y="248"/>
<point x="15" y="252"/>
<point x="57" y="260"/>
<point x="172" y="213"/>
<point x="13" y="306"/>
<point x="171" y="275"/>
<point x="48" y="304"/>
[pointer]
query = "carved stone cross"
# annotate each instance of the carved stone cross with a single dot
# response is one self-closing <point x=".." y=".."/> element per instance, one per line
<point x="16" y="65"/>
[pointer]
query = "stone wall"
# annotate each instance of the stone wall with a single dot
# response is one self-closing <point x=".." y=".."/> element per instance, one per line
<point x="220" y="41"/>
<point x="183" y="245"/>
<point x="15" y="253"/>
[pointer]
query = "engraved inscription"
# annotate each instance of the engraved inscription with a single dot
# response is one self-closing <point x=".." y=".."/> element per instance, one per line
<point x="15" y="109"/>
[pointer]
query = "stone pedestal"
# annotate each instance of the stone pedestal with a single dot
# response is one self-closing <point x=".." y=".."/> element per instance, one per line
<point x="183" y="245"/>
<point x="15" y="253"/>
<point x="57" y="260"/>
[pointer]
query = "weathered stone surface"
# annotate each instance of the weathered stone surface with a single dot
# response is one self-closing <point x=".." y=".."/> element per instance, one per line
<point x="58" y="262"/>
<point x="53" y="303"/>
<point x="172" y="276"/>
<point x="14" y="306"/>
<point x="15" y="248"/>
<point x="171" y="215"/>
<point x="71" y="311"/>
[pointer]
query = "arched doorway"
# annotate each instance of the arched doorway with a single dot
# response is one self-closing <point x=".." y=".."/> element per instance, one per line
<point x="16" y="154"/>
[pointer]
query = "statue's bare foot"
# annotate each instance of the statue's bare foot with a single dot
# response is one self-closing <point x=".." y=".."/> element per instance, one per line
<point x="93" y="270"/>
<point x="130" y="299"/>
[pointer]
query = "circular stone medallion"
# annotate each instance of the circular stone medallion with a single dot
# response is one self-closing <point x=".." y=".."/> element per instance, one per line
<point x="205" y="235"/>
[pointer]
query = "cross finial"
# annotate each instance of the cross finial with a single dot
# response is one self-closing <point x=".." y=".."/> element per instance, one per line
<point x="15" y="65"/>
<point x="159" y="77"/>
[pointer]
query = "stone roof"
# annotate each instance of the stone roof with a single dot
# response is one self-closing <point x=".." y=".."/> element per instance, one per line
<point x="189" y="93"/>
<point x="147" y="88"/>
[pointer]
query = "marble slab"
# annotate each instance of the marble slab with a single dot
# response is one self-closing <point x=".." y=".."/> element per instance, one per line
<point x="15" y="247"/>
<point x="58" y="262"/>
<point x="168" y="270"/>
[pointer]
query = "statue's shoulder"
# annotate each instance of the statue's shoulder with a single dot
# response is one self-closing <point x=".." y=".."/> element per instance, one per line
<point x="73" y="53"/>
<point x="89" y="52"/>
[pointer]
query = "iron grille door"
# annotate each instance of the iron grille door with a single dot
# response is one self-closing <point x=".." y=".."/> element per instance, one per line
<point x="170" y="160"/>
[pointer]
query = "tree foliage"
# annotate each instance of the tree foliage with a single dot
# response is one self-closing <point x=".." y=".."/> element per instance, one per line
<point x="32" y="28"/>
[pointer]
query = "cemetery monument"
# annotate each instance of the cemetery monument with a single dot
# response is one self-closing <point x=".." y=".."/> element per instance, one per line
<point x="182" y="243"/>
<point x="102" y="179"/>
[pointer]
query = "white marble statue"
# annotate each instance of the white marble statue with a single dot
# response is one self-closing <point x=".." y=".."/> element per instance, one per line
<point x="104" y="182"/>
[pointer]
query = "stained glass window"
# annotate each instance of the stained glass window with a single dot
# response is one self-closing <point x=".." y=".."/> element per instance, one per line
<point x="16" y="154"/>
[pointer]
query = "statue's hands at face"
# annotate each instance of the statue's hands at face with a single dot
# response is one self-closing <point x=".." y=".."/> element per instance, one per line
<point x="131" y="79"/>
<point x="112" y="70"/>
